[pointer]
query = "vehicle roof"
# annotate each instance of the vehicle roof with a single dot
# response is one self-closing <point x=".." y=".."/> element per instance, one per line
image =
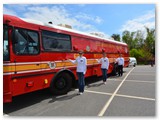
<point x="64" y="29"/>
<point x="70" y="30"/>
<point x="132" y="58"/>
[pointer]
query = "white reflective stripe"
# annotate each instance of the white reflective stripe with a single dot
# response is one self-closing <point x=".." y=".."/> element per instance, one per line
<point x="10" y="73"/>
<point x="39" y="62"/>
<point x="20" y="72"/>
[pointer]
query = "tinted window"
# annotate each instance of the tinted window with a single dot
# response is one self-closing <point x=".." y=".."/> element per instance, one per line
<point x="5" y="44"/>
<point x="25" y="42"/>
<point x="56" y="41"/>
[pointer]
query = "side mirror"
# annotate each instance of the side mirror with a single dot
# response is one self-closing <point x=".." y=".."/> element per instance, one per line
<point x="75" y="48"/>
<point x="103" y="50"/>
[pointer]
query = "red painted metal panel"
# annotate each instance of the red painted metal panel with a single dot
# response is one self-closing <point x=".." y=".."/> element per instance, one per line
<point x="15" y="84"/>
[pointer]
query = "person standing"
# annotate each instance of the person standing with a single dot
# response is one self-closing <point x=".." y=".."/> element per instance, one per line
<point x="81" y="62"/>
<point x="104" y="66"/>
<point x="152" y="62"/>
<point x="120" y="62"/>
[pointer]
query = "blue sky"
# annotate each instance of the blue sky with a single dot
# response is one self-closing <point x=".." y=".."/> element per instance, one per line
<point x="106" y="19"/>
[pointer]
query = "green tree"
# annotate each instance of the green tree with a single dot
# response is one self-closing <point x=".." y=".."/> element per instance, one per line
<point x="135" y="53"/>
<point x="150" y="41"/>
<point x="128" y="37"/>
<point x="141" y="55"/>
<point x="116" y="37"/>
<point x="143" y="49"/>
<point x="139" y="39"/>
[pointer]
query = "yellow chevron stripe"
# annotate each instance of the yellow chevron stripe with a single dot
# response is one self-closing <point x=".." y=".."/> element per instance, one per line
<point x="20" y="68"/>
<point x="8" y="69"/>
<point x="27" y="67"/>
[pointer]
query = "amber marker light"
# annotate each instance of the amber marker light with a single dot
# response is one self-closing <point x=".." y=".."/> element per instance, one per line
<point x="14" y="80"/>
<point x="46" y="81"/>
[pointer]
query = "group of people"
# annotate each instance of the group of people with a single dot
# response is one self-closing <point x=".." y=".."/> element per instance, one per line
<point x="81" y="62"/>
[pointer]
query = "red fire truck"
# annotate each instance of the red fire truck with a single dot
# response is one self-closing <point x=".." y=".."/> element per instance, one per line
<point x="35" y="56"/>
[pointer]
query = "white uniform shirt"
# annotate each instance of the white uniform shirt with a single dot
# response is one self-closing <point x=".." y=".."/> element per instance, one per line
<point x="120" y="61"/>
<point x="81" y="64"/>
<point x="104" y="63"/>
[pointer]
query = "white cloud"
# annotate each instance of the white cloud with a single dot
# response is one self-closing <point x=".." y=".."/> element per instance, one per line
<point x="98" y="20"/>
<point x="83" y="16"/>
<point x="146" y="20"/>
<point x="8" y="11"/>
<point x="59" y="14"/>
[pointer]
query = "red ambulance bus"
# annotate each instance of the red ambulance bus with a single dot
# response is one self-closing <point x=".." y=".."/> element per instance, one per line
<point x="35" y="56"/>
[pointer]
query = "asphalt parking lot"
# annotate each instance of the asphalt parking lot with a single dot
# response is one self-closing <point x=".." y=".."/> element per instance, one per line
<point x="133" y="94"/>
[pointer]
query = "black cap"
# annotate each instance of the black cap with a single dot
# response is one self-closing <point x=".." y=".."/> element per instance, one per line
<point x="80" y="52"/>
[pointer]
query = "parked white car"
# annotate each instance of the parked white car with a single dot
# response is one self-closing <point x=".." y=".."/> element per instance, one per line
<point x="132" y="61"/>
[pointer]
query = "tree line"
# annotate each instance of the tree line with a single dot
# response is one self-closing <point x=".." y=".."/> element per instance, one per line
<point x="141" y="44"/>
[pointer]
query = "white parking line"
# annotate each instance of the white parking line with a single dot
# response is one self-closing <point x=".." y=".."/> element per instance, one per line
<point x="112" y="79"/>
<point x="103" y="93"/>
<point x="143" y="74"/>
<point x="140" y="81"/>
<point x="120" y="95"/>
<point x="117" y="80"/>
<point x="136" y="97"/>
<point x="101" y="113"/>
<point x="144" y="71"/>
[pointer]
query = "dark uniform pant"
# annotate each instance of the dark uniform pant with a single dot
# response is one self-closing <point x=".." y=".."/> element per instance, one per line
<point x="104" y="74"/>
<point x="81" y="82"/>
<point x="120" y="70"/>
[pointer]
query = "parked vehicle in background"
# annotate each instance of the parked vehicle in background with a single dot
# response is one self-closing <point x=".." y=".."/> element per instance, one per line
<point x="132" y="61"/>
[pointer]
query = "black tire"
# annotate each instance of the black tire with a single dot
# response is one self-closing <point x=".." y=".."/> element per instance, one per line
<point x="61" y="84"/>
<point x="134" y="65"/>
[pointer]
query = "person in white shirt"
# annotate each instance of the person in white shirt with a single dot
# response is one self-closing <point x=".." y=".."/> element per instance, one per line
<point x="120" y="62"/>
<point x="104" y="66"/>
<point x="81" y="62"/>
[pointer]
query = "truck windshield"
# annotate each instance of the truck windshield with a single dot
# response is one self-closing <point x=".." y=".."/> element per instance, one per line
<point x="5" y="44"/>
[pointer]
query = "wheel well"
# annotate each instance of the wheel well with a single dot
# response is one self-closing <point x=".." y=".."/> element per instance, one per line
<point x="69" y="72"/>
<point x="68" y="78"/>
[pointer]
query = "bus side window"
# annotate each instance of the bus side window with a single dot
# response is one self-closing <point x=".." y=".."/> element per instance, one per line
<point x="5" y="44"/>
<point x="33" y="45"/>
<point x="26" y="42"/>
<point x="53" y="41"/>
